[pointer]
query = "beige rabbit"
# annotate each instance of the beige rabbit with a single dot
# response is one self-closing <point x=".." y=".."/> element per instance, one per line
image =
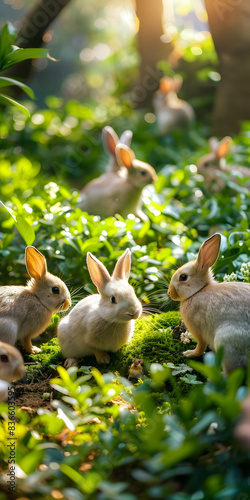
<point x="119" y="192"/>
<point x="101" y="322"/>
<point x="11" y="368"/>
<point x="216" y="314"/>
<point x="110" y="140"/>
<point x="171" y="112"/>
<point x="11" y="363"/>
<point x="215" y="161"/>
<point x="25" y="311"/>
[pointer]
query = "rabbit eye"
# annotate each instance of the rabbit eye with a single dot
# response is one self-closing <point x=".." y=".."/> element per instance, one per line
<point x="112" y="299"/>
<point x="143" y="172"/>
<point x="206" y="164"/>
<point x="4" y="358"/>
<point x="183" y="277"/>
<point x="55" y="290"/>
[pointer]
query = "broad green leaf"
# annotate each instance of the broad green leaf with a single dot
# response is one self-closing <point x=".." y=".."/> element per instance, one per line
<point x="5" y="82"/>
<point x="20" y="55"/>
<point x="7" y="38"/>
<point x="24" y="228"/>
<point x="8" y="100"/>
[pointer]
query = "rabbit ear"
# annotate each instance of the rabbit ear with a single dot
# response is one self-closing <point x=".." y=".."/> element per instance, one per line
<point x="177" y="83"/>
<point x="213" y="144"/>
<point x="126" y="137"/>
<point x="110" y="139"/>
<point x="122" y="267"/>
<point x="124" y="155"/>
<point x="209" y="251"/>
<point x="98" y="272"/>
<point x="166" y="84"/>
<point x="35" y="263"/>
<point x="223" y="147"/>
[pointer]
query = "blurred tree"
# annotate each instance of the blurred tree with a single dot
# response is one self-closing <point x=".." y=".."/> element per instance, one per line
<point x="31" y="31"/>
<point x="151" y="49"/>
<point x="229" y="22"/>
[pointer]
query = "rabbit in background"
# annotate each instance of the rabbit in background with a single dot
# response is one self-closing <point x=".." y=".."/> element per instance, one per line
<point x="120" y="191"/>
<point x="104" y="321"/>
<point x="110" y="140"/>
<point x="171" y="112"/>
<point x="210" y="164"/>
<point x="11" y="369"/>
<point x="26" y="311"/>
<point x="216" y="314"/>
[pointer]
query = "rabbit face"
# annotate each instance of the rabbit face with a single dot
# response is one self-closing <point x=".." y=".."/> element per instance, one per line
<point x="120" y="302"/>
<point x="141" y="174"/>
<point x="52" y="292"/>
<point x="11" y="363"/>
<point x="185" y="282"/>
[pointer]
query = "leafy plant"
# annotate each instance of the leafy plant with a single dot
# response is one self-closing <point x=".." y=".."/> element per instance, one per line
<point x="11" y="54"/>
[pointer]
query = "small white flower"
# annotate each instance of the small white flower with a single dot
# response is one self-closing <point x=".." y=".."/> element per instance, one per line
<point x="186" y="337"/>
<point x="245" y="269"/>
<point x="230" y="277"/>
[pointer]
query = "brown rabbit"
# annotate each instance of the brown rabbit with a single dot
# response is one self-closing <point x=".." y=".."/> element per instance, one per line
<point x="119" y="192"/>
<point x="25" y="311"/>
<point x="210" y="164"/>
<point x="171" y="112"/>
<point x="110" y="140"/>
<point x="216" y="314"/>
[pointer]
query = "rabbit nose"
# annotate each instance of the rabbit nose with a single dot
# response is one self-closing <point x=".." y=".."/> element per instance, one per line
<point x="66" y="304"/>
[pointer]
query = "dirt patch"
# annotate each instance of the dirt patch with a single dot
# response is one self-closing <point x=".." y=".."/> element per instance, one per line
<point x="33" y="395"/>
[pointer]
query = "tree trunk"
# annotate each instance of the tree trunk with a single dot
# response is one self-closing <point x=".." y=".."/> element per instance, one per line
<point x="31" y="30"/>
<point x="229" y="22"/>
<point x="151" y="50"/>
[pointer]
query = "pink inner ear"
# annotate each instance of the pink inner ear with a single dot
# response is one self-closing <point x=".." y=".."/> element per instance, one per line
<point x="223" y="147"/>
<point x="166" y="84"/>
<point x="126" y="158"/>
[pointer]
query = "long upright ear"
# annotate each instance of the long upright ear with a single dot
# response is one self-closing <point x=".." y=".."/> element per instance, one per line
<point x="122" y="267"/>
<point x="177" y="83"/>
<point x="35" y="263"/>
<point x="109" y="139"/>
<point x="166" y="84"/>
<point x="98" y="272"/>
<point x="209" y="252"/>
<point x="213" y="144"/>
<point x="124" y="155"/>
<point x="223" y="147"/>
<point x="126" y="137"/>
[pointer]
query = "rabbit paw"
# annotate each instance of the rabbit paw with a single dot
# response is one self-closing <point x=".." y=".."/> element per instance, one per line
<point x="35" y="350"/>
<point x="189" y="353"/>
<point x="70" y="362"/>
<point x="103" y="358"/>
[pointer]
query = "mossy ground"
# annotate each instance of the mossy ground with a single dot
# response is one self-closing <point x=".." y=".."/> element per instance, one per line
<point x="152" y="340"/>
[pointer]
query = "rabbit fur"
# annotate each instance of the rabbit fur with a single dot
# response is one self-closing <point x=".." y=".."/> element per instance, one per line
<point x="101" y="322"/>
<point x="171" y="112"/>
<point x="110" y="140"/>
<point x="11" y="363"/>
<point x="25" y="311"/>
<point x="214" y="162"/>
<point x="120" y="191"/>
<point x="216" y="314"/>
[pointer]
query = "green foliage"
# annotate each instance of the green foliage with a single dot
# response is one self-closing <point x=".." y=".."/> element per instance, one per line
<point x="104" y="450"/>
<point x="10" y="55"/>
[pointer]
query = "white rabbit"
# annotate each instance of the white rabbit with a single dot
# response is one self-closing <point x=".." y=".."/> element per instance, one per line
<point x="216" y="314"/>
<point x="25" y="311"/>
<point x="209" y="164"/>
<point x="110" y="140"/>
<point x="171" y="112"/>
<point x="101" y="322"/>
<point x="11" y="368"/>
<point x="119" y="192"/>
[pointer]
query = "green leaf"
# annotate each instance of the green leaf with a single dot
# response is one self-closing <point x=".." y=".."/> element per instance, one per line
<point x="20" y="55"/>
<point x="8" y="100"/>
<point x="5" y="82"/>
<point x="25" y="229"/>
<point x="7" y="39"/>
